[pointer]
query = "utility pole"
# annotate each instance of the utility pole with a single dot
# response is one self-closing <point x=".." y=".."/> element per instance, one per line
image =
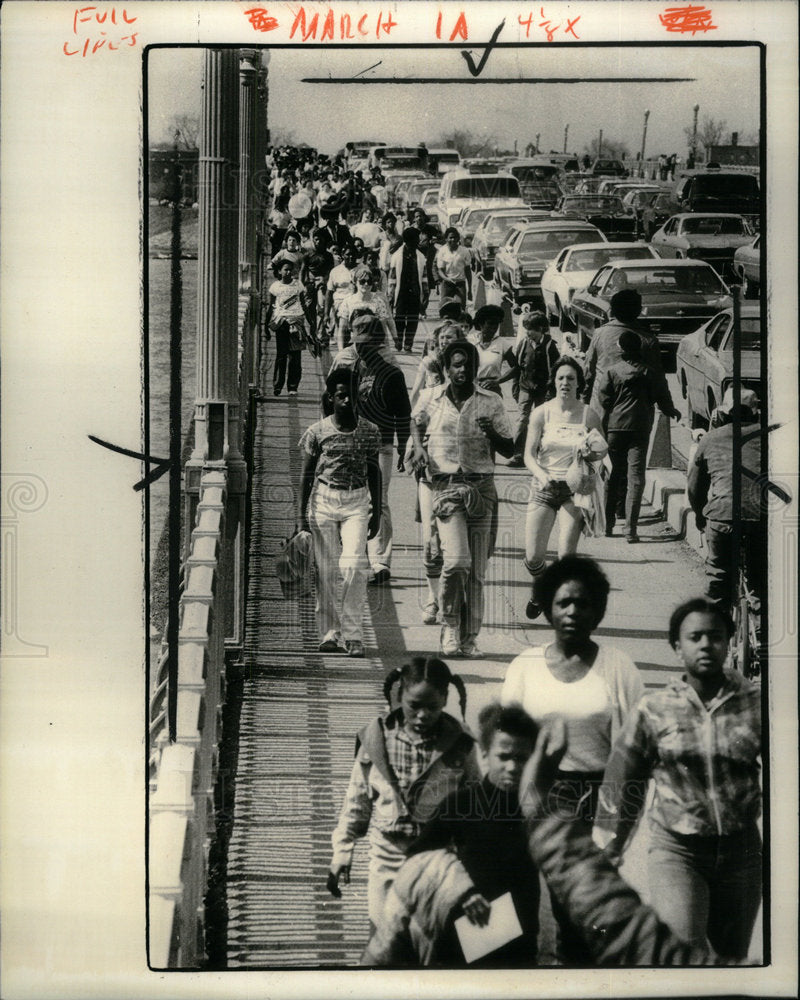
<point x="600" y="144"/>
<point x="538" y="134"/>
<point x="566" y="133"/>
<point x="644" y="133"/>
<point x="694" y="133"/>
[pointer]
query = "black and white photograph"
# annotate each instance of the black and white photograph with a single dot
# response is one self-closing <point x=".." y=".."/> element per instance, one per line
<point x="444" y="486"/>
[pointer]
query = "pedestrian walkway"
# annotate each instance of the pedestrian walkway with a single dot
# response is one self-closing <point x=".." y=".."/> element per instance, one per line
<point x="301" y="709"/>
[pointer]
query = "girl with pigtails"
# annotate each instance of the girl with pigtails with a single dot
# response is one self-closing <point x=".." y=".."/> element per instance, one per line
<point x="406" y="763"/>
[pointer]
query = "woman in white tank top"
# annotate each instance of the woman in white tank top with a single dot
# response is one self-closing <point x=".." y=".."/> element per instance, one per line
<point x="590" y="686"/>
<point x="556" y="429"/>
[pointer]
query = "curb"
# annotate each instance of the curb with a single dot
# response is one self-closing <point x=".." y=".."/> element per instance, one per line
<point x="665" y="491"/>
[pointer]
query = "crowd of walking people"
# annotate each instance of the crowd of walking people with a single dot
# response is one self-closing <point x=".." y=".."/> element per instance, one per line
<point x="574" y="740"/>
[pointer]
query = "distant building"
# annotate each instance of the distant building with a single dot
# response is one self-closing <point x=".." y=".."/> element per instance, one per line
<point x="734" y="155"/>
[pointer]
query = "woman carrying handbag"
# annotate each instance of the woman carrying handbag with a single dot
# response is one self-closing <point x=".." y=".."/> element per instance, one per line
<point x="559" y="429"/>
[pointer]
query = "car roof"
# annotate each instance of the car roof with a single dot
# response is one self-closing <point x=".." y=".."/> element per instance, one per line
<point x="663" y="261"/>
<point x="613" y="246"/>
<point x="546" y="224"/>
<point x="707" y="215"/>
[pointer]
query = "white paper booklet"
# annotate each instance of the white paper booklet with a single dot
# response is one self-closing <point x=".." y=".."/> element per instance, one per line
<point x="503" y="926"/>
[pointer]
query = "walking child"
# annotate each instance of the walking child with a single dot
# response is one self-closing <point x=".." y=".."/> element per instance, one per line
<point x="407" y="762"/>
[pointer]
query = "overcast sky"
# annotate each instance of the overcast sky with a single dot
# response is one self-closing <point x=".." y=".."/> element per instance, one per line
<point x="724" y="82"/>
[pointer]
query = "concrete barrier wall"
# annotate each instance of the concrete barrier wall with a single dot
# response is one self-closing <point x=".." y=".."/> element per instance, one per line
<point x="183" y="774"/>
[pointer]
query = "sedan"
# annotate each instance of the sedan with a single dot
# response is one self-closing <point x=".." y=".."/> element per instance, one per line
<point x="704" y="236"/>
<point x="638" y="199"/>
<point x="409" y="194"/>
<point x="747" y="265"/>
<point x="468" y="221"/>
<point x="575" y="267"/>
<point x="705" y="361"/>
<point x="607" y="167"/>
<point x="493" y="230"/>
<point x="655" y="214"/>
<point x="604" y="211"/>
<point x="677" y="297"/>
<point x="528" y="249"/>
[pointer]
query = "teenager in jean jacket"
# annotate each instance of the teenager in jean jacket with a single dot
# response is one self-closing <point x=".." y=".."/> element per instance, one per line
<point x="406" y="763"/>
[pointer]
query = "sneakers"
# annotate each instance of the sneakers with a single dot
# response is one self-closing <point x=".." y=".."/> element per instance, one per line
<point x="355" y="647"/>
<point x="332" y="643"/>
<point x="381" y="576"/>
<point x="469" y="649"/>
<point x="430" y="613"/>
<point x="449" y="644"/>
<point x="292" y="392"/>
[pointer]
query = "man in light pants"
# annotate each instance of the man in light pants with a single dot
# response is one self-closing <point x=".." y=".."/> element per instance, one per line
<point x="465" y="425"/>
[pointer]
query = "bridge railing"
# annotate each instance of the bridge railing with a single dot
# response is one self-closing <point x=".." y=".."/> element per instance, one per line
<point x="182" y="774"/>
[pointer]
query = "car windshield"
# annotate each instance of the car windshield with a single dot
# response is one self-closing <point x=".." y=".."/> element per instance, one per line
<point x="473" y="219"/>
<point x="534" y="172"/>
<point x="401" y="163"/>
<point x="751" y="335"/>
<point x="715" y="226"/>
<point x="485" y="187"/>
<point x="554" y="239"/>
<point x="701" y="280"/>
<point x="727" y="185"/>
<point x="500" y="225"/>
<point x="591" y="260"/>
<point x="594" y="204"/>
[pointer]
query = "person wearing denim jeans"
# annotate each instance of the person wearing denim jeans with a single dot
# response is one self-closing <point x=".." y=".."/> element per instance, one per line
<point x="699" y="739"/>
<point x="456" y="430"/>
<point x="628" y="394"/>
<point x="339" y="503"/>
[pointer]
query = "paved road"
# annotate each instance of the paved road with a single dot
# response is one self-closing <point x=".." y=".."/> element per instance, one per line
<point x="300" y="710"/>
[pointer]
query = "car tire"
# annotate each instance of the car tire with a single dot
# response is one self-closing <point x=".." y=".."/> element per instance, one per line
<point x="695" y="421"/>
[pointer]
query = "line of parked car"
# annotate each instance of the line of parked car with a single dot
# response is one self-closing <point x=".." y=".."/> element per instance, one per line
<point x="569" y="241"/>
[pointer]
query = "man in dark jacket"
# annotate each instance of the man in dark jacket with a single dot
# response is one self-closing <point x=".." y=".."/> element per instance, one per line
<point x="383" y="399"/>
<point x="711" y="477"/>
<point x="604" y="349"/>
<point x="535" y="356"/>
<point x="628" y="394"/>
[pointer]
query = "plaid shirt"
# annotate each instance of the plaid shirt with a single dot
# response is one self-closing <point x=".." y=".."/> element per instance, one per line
<point x="704" y="760"/>
<point x="408" y="759"/>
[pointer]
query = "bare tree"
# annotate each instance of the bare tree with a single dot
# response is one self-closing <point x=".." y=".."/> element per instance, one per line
<point x="612" y="149"/>
<point x="468" y="144"/>
<point x="186" y="131"/>
<point x="709" y="133"/>
<point x="282" y="137"/>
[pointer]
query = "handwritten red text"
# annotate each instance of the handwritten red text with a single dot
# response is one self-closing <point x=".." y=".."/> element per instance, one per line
<point x="550" y="29"/>
<point x="342" y="27"/>
<point x="460" y="29"/>
<point x="260" y="19"/>
<point x="93" y="38"/>
<point x="687" y="19"/>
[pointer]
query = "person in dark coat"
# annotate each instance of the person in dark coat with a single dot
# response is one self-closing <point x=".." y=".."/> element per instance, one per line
<point x="536" y="356"/>
<point x="628" y="393"/>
